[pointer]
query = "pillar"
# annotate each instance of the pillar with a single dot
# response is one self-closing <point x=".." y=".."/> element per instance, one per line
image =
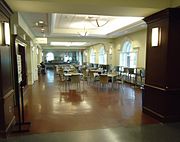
<point x="161" y="95"/>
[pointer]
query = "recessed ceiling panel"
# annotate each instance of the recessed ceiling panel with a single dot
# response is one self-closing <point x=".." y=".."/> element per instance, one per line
<point x="89" y="25"/>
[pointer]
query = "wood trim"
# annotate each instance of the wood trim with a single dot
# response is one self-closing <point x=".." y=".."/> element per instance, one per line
<point x="153" y="112"/>
<point x="10" y="124"/>
<point x="5" y="9"/>
<point x="157" y="16"/>
<point x="155" y="87"/>
<point x="173" y="89"/>
<point x="8" y="94"/>
<point x="19" y="39"/>
<point x="9" y="116"/>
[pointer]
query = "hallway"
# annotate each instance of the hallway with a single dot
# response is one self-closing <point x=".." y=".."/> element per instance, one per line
<point x="93" y="107"/>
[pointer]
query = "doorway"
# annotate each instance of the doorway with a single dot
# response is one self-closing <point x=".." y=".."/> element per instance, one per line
<point x="22" y="53"/>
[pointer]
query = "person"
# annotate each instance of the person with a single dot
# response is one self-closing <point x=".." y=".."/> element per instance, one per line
<point x="43" y="68"/>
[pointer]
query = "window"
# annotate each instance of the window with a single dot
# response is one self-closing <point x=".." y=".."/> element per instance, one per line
<point x="80" y="58"/>
<point x="85" y="56"/>
<point x="128" y="58"/>
<point x="49" y="56"/>
<point x="92" y="56"/>
<point x="68" y="57"/>
<point x="102" y="56"/>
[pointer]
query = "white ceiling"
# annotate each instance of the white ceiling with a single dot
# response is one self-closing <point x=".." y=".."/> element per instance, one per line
<point x="76" y="26"/>
<point x="63" y="25"/>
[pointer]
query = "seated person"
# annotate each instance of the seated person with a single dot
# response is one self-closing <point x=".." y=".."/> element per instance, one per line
<point x="43" y="68"/>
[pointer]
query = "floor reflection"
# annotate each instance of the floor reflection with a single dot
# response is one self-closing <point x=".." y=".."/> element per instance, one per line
<point x="53" y="108"/>
<point x="71" y="96"/>
<point x="50" y="76"/>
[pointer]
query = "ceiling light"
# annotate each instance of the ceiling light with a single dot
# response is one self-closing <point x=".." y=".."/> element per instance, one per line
<point x="67" y="43"/>
<point x="41" y="22"/>
<point x="91" y="25"/>
<point x="78" y="43"/>
<point x="59" y="43"/>
<point x="42" y="30"/>
<point x="41" y="40"/>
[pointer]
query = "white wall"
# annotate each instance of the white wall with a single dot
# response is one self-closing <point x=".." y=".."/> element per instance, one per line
<point x="32" y="64"/>
<point x="32" y="59"/>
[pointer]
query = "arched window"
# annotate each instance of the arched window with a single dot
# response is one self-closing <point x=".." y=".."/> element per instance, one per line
<point x="49" y="56"/>
<point x="92" y="56"/>
<point x="102" y="56"/>
<point x="85" y="56"/>
<point x="128" y="58"/>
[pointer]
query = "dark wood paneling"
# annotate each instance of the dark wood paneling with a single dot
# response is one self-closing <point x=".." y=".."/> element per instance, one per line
<point x="162" y="104"/>
<point x="6" y="77"/>
<point x="161" y="94"/>
<point x="173" y="70"/>
<point x="5" y="10"/>
<point x="156" y="56"/>
<point x="9" y="109"/>
<point x="2" y="119"/>
<point x="15" y="68"/>
<point x="6" y="69"/>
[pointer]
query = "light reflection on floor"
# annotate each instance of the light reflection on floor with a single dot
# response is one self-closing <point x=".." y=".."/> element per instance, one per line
<point x="91" y="106"/>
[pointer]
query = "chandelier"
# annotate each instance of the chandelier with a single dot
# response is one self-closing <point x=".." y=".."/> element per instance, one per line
<point x="84" y="32"/>
<point x="98" y="21"/>
<point x="91" y="22"/>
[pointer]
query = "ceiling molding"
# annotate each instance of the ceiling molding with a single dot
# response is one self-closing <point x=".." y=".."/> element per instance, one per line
<point x="140" y="25"/>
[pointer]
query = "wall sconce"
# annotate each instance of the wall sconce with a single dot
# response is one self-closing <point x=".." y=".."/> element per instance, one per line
<point x="155" y="36"/>
<point x="37" y="51"/>
<point x="110" y="51"/>
<point x="1" y="34"/>
<point x="7" y="33"/>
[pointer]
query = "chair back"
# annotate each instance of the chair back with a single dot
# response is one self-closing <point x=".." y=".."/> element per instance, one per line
<point x="75" y="79"/>
<point x="61" y="71"/>
<point x="103" y="79"/>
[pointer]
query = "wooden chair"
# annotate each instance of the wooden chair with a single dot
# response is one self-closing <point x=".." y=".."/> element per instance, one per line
<point x="63" y="87"/>
<point x="104" y="80"/>
<point x="75" y="80"/>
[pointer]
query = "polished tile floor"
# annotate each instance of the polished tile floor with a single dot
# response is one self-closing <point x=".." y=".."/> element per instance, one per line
<point x="89" y="113"/>
<point x="145" y="133"/>
<point x="50" y="108"/>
